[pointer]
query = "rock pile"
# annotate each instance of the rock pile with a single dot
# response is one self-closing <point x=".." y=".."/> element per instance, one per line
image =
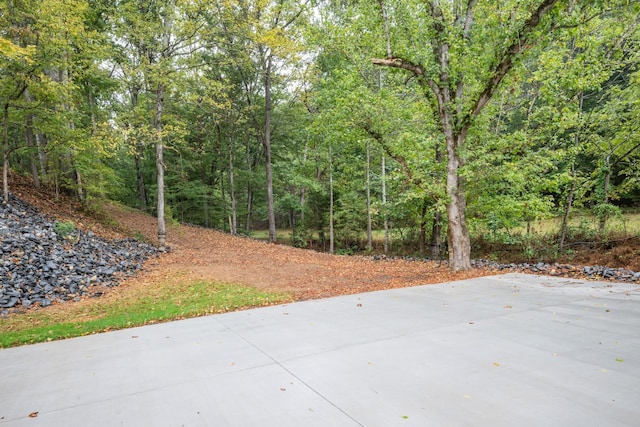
<point x="38" y="265"/>
<point x="596" y="272"/>
<point x="556" y="269"/>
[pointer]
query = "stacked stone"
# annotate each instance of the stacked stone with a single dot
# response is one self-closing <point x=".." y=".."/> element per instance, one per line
<point x="38" y="266"/>
<point x="555" y="269"/>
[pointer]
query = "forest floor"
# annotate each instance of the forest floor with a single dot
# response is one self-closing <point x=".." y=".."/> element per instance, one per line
<point x="199" y="254"/>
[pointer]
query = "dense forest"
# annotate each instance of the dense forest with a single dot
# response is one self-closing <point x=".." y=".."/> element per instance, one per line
<point x="421" y="123"/>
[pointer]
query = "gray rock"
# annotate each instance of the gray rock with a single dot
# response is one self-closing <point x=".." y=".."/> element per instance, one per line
<point x="37" y="268"/>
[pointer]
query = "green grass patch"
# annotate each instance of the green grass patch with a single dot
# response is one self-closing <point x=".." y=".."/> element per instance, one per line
<point x="282" y="236"/>
<point x="160" y="304"/>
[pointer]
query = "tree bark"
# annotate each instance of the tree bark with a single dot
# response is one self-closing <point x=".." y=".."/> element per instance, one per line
<point x="267" y="148"/>
<point x="5" y="153"/>
<point x="457" y="234"/>
<point x="140" y="185"/>
<point x="162" y="229"/>
<point x="423" y="229"/>
<point x="369" y="225"/>
<point x="33" y="162"/>
<point x="331" y="233"/>
<point x="454" y="121"/>
<point x="436" y="235"/>
<point x="567" y="211"/>
<point x="384" y="205"/>
<point x="602" y="223"/>
<point x="232" y="190"/>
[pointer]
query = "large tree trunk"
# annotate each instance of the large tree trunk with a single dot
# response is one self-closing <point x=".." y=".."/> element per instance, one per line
<point x="457" y="233"/>
<point x="456" y="117"/>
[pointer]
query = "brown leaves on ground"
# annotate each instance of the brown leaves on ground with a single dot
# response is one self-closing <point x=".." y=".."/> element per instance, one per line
<point x="201" y="254"/>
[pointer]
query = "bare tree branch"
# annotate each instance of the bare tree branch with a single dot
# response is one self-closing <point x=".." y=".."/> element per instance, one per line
<point x="400" y="63"/>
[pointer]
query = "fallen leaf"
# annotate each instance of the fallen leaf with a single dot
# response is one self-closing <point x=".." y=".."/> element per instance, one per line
<point x="619" y="360"/>
<point x="134" y="336"/>
<point x="496" y="364"/>
<point x="33" y="414"/>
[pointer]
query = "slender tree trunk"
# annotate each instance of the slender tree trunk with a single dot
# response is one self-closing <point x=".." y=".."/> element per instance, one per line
<point x="572" y="190"/>
<point x="249" y="161"/>
<point x="436" y="228"/>
<point x="567" y="210"/>
<point x="31" y="144"/>
<point x="423" y="229"/>
<point x="232" y="190"/>
<point x="267" y="148"/>
<point x="41" y="144"/>
<point x="384" y="205"/>
<point x="140" y="186"/>
<point x="602" y="221"/>
<point x="223" y="192"/>
<point x="33" y="162"/>
<point x="436" y="235"/>
<point x="5" y="153"/>
<point x="138" y="156"/>
<point x="162" y="230"/>
<point x="369" y="228"/>
<point x="331" y="233"/>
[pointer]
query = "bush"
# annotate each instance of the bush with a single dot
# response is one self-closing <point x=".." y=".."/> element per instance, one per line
<point x="64" y="229"/>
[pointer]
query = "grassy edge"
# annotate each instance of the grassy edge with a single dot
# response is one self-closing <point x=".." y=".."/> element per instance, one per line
<point x="167" y="302"/>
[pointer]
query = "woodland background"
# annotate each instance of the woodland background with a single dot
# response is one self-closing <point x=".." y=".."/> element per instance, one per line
<point x="246" y="115"/>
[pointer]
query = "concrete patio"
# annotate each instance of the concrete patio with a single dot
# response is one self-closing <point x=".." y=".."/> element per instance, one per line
<point x="509" y="350"/>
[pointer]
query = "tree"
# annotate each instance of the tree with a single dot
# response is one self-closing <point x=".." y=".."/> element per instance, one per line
<point x="459" y="88"/>
<point x="156" y="34"/>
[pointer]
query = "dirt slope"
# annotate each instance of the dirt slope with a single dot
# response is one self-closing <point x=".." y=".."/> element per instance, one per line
<point x="201" y="254"/>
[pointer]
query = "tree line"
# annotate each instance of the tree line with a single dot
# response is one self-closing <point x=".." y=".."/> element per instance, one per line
<point x="330" y="118"/>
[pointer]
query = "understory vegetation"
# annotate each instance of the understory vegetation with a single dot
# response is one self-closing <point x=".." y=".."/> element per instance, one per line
<point x="390" y="126"/>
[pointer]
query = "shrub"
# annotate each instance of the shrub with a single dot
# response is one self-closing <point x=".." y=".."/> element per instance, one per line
<point x="64" y="229"/>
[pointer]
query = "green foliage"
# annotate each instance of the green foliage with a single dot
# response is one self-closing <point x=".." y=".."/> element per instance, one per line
<point x="82" y="78"/>
<point x="64" y="229"/>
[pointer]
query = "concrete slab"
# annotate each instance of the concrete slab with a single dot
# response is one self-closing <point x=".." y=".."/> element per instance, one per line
<point x="498" y="351"/>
